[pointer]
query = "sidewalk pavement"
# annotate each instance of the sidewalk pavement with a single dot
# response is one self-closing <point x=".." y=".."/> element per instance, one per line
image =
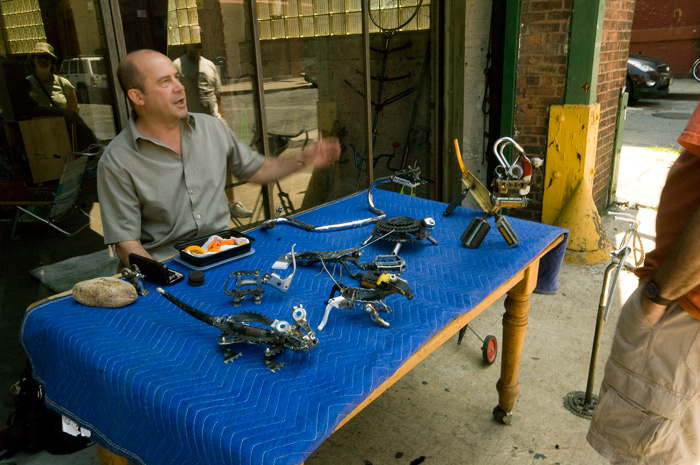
<point x="684" y="88"/>
<point x="281" y="83"/>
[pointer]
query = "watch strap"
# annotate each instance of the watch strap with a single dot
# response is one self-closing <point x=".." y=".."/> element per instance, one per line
<point x="652" y="292"/>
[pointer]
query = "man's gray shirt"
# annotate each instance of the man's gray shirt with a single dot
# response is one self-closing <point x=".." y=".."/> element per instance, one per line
<point x="148" y="192"/>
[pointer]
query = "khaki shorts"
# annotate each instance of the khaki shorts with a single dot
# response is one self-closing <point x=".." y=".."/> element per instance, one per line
<point x="648" y="410"/>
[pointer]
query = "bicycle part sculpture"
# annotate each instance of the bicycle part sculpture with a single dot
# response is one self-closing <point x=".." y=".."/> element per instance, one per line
<point x="510" y="188"/>
<point x="250" y="282"/>
<point x="409" y="178"/>
<point x="254" y="328"/>
<point x="376" y="287"/>
<point x="401" y="229"/>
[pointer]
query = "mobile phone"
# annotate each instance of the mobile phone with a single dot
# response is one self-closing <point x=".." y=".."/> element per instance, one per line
<point x="154" y="271"/>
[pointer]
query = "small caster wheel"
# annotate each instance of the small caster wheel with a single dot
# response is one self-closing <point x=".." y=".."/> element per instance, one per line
<point x="501" y="416"/>
<point x="489" y="350"/>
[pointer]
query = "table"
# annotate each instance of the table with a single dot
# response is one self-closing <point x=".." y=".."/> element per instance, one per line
<point x="149" y="380"/>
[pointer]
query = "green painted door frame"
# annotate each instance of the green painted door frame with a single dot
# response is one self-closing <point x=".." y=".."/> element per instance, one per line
<point x="451" y="29"/>
<point x="511" y="45"/>
<point x="584" y="52"/>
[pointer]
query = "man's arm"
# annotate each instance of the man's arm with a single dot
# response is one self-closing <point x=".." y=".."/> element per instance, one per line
<point x="680" y="271"/>
<point x="125" y="248"/>
<point x="72" y="102"/>
<point x="319" y="154"/>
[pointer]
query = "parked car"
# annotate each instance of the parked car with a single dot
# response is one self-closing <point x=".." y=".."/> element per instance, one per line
<point x="88" y="74"/>
<point x="647" y="77"/>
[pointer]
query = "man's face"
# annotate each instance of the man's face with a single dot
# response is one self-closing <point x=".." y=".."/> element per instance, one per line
<point x="42" y="61"/>
<point x="163" y="95"/>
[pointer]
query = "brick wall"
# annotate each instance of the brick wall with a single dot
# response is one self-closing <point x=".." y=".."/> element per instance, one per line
<point x="541" y="77"/>
<point x="611" y="78"/>
<point x="668" y="30"/>
<point x="542" y="67"/>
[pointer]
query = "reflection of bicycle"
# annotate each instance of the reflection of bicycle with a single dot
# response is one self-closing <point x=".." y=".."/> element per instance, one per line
<point x="360" y="159"/>
<point x="695" y="70"/>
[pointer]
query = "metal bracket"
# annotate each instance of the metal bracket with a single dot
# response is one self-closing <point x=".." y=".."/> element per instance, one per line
<point x="245" y="286"/>
<point x="277" y="281"/>
<point x="135" y="277"/>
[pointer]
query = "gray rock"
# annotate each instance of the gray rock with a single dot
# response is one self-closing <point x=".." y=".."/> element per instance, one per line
<point x="104" y="292"/>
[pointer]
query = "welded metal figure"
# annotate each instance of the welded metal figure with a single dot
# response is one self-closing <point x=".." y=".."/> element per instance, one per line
<point x="254" y="328"/>
<point x="384" y="263"/>
<point x="376" y="286"/>
<point x="409" y="177"/>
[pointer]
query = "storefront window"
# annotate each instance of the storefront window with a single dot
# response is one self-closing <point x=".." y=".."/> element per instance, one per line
<point x="308" y="56"/>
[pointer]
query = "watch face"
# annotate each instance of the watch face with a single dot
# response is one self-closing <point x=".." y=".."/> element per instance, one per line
<point x="652" y="289"/>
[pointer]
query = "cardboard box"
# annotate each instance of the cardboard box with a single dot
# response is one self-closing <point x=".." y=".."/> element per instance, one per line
<point x="47" y="146"/>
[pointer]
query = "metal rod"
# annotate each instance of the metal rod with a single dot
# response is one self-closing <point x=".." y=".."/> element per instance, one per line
<point x="598" y="331"/>
<point x="259" y="94"/>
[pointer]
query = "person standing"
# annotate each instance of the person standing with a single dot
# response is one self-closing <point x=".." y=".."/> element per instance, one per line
<point x="202" y="82"/>
<point x="648" y="410"/>
<point x="47" y="88"/>
<point x="203" y="89"/>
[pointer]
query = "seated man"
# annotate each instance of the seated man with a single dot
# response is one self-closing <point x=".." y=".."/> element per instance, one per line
<point x="161" y="180"/>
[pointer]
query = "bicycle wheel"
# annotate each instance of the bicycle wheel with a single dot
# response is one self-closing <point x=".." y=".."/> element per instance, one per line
<point x="392" y="15"/>
<point x="695" y="70"/>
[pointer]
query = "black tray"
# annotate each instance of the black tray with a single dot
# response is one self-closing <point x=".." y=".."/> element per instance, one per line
<point x="211" y="259"/>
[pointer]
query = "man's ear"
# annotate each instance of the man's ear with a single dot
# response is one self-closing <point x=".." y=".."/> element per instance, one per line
<point x="136" y="96"/>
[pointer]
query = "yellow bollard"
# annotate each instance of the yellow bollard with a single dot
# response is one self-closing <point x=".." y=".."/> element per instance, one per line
<point x="588" y="241"/>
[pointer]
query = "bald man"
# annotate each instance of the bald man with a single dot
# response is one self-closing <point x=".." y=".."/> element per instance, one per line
<point x="161" y="180"/>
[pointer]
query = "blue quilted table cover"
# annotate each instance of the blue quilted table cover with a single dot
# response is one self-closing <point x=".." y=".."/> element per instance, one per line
<point x="149" y="380"/>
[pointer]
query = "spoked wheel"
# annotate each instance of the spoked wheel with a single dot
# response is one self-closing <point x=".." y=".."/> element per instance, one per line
<point x="489" y="350"/>
<point x="391" y="15"/>
<point x="695" y="70"/>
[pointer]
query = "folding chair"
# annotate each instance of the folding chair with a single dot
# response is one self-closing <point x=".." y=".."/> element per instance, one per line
<point x="52" y="206"/>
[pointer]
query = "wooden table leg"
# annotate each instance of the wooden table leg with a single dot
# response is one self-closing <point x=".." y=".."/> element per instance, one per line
<point x="106" y="457"/>
<point x="517" y="304"/>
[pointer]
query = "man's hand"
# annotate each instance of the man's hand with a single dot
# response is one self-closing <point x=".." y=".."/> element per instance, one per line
<point x="321" y="153"/>
<point x="652" y="312"/>
<point x="125" y="248"/>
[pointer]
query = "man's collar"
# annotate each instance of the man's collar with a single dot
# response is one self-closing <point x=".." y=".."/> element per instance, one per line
<point x="189" y="120"/>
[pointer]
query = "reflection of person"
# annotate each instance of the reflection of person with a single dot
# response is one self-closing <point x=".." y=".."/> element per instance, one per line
<point x="203" y="89"/>
<point x="649" y="406"/>
<point x="161" y="180"/>
<point x="50" y="89"/>
<point x="202" y="83"/>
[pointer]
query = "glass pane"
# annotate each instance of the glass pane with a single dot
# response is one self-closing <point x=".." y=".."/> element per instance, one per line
<point x="337" y="6"/>
<point x="338" y="24"/>
<point x="322" y="25"/>
<point x="278" y="29"/>
<point x="292" y="27"/>
<point x="318" y="91"/>
<point x="320" y="6"/>
<point x="305" y="7"/>
<point x="354" y="23"/>
<point x="307" y="26"/>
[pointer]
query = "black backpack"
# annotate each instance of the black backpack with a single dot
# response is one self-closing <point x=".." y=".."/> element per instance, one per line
<point x="33" y="427"/>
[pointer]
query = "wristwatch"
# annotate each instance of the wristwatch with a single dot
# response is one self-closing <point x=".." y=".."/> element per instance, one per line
<point x="652" y="291"/>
